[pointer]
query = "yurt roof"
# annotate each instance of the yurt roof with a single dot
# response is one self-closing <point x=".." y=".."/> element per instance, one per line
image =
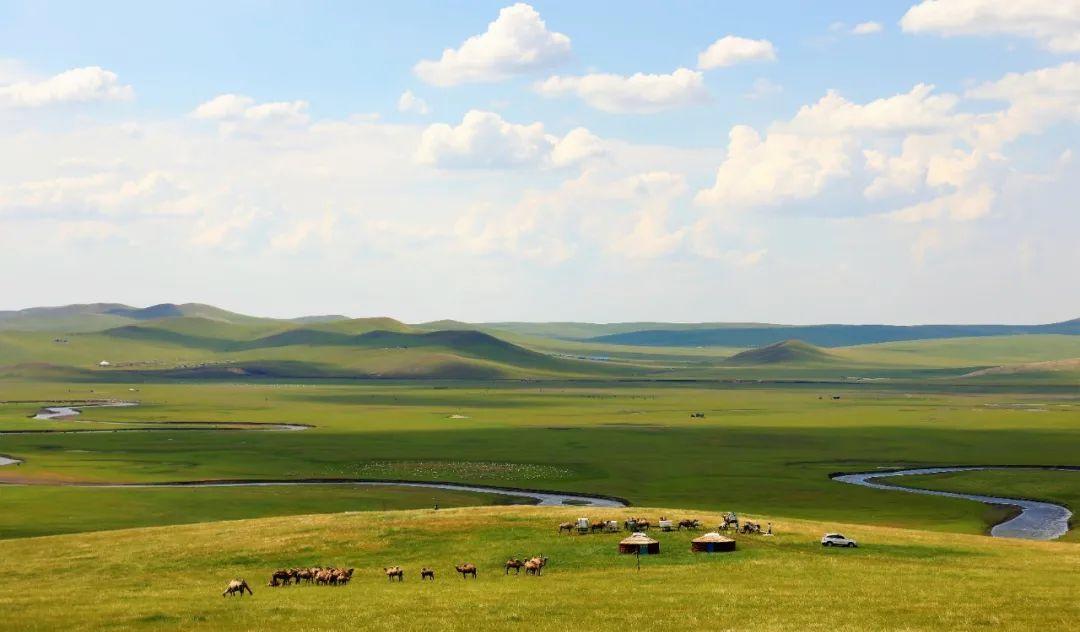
<point x="712" y="537"/>
<point x="639" y="538"/>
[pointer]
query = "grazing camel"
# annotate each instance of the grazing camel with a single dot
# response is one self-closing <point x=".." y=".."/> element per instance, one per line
<point x="466" y="570"/>
<point x="395" y="571"/>
<point x="305" y="574"/>
<point x="427" y="573"/>
<point x="535" y="566"/>
<point x="342" y="577"/>
<point x="281" y="577"/>
<point x="693" y="524"/>
<point x="568" y="527"/>
<point x="237" y="586"/>
<point x="599" y="525"/>
<point x="515" y="564"/>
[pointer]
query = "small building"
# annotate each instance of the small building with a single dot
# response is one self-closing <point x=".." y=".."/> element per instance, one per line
<point x="639" y="543"/>
<point x="712" y="543"/>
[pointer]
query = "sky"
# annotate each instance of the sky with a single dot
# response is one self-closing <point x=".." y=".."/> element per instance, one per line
<point x="909" y="161"/>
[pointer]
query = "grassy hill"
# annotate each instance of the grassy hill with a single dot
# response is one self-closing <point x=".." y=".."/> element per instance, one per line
<point x="823" y="335"/>
<point x="786" y="352"/>
<point x="173" y="577"/>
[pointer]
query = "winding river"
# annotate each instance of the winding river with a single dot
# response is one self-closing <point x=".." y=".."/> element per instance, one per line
<point x="1037" y="520"/>
<point x="68" y="413"/>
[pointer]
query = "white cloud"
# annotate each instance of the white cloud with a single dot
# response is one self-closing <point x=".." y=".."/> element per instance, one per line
<point x="730" y="50"/>
<point x="917" y="110"/>
<point x="222" y="231"/>
<point x="866" y="28"/>
<point x="409" y="102"/>
<point x="517" y="42"/>
<point x="961" y="206"/>
<point x="101" y="193"/>
<point x="1037" y="100"/>
<point x="638" y="93"/>
<point x="79" y="85"/>
<point x="240" y="113"/>
<point x="780" y="167"/>
<point x="484" y="140"/>
<point x="1054" y="24"/>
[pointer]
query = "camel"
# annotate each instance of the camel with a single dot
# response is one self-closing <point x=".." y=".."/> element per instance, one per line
<point x="466" y="570"/>
<point x="237" y="586"/>
<point x="689" y="524"/>
<point x="515" y="564"/>
<point x="395" y="571"/>
<point x="323" y="577"/>
<point x="427" y="573"/>
<point x="568" y="527"/>
<point x="535" y="566"/>
<point x="342" y="577"/>
<point x="281" y="577"/>
<point x="599" y="525"/>
<point x="305" y="574"/>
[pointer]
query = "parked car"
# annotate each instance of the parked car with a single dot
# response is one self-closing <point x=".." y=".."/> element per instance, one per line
<point x="837" y="539"/>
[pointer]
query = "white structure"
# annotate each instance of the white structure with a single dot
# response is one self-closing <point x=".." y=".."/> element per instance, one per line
<point x="104" y="363"/>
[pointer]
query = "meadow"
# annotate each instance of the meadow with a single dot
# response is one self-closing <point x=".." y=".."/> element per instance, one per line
<point x="767" y="449"/>
<point x="172" y="578"/>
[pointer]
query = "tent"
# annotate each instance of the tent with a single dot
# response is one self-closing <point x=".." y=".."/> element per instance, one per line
<point x="639" y="543"/>
<point x="712" y="543"/>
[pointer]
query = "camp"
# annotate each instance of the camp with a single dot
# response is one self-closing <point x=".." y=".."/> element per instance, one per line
<point x="712" y="543"/>
<point x="639" y="543"/>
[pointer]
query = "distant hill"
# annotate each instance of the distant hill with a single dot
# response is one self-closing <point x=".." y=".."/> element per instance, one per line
<point x="822" y="335"/>
<point x="786" y="352"/>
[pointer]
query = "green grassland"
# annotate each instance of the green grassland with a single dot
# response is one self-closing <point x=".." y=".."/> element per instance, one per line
<point x="172" y="578"/>
<point x="761" y="449"/>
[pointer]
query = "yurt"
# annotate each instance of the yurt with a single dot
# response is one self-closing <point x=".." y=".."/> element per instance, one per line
<point x="712" y="543"/>
<point x="639" y="543"/>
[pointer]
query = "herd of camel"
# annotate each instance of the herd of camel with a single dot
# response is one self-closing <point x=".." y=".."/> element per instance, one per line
<point x="731" y="522"/>
<point x="331" y="576"/>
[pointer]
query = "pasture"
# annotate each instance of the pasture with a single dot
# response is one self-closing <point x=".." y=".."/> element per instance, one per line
<point x="766" y="449"/>
<point x="169" y="578"/>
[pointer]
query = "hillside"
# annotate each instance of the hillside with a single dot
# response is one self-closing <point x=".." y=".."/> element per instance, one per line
<point x="823" y="335"/>
<point x="173" y="576"/>
<point x="786" y="352"/>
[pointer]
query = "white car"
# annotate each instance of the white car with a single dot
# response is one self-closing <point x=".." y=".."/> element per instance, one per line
<point x="837" y="539"/>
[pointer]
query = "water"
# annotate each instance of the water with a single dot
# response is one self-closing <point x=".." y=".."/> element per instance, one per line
<point x="1037" y="520"/>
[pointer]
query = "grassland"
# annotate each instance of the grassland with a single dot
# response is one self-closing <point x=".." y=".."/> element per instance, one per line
<point x="169" y="578"/>
<point x="767" y="450"/>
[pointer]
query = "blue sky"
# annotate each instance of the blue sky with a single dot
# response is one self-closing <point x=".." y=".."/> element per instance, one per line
<point x="211" y="153"/>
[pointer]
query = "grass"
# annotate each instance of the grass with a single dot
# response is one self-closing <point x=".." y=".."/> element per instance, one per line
<point x="767" y="450"/>
<point x="54" y="510"/>
<point x="1061" y="487"/>
<point x="168" y="578"/>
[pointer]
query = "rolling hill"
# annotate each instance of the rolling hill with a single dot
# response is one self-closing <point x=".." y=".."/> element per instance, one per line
<point x="786" y="352"/>
<point x="823" y="335"/>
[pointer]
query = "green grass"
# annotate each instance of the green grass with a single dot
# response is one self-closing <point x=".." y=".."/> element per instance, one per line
<point x="766" y="450"/>
<point x="1061" y="487"/>
<point x="73" y="509"/>
<point x="169" y="578"/>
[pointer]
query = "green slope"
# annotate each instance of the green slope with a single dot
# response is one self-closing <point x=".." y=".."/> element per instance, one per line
<point x="786" y="352"/>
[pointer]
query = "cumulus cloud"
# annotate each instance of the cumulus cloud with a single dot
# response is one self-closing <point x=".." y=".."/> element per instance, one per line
<point x="639" y="93"/>
<point x="1036" y="100"/>
<point x="237" y="113"/>
<point x="79" y="85"/>
<point x="517" y="42"/>
<point x="409" y="102"/>
<point x="484" y="140"/>
<point x="1053" y="24"/>
<point x="766" y="171"/>
<point x="730" y="50"/>
<point x="917" y="110"/>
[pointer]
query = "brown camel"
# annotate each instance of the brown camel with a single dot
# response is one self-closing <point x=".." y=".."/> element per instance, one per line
<point x="281" y="577"/>
<point x="342" y="577"/>
<point x="427" y="573"/>
<point x="515" y="564"/>
<point x="395" y="571"/>
<point x="535" y="566"/>
<point x="692" y="524"/>
<point x="466" y="570"/>
<point x="237" y="586"/>
<point x="568" y="527"/>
